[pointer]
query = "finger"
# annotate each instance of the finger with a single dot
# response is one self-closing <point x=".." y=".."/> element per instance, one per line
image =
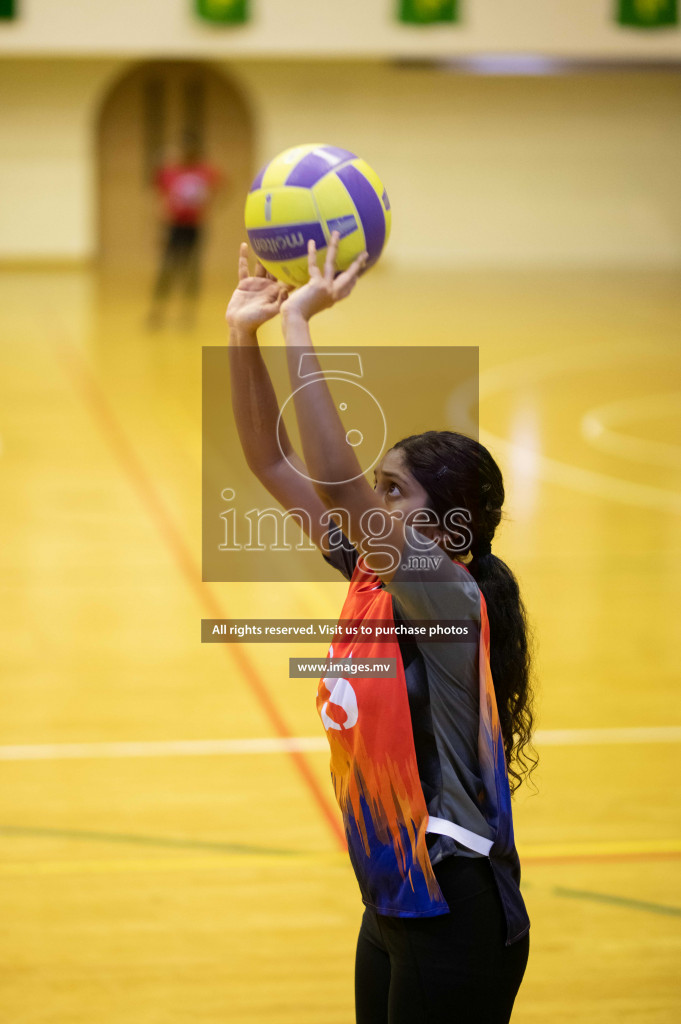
<point x="243" y="261"/>
<point x="331" y="253"/>
<point x="287" y="289"/>
<point x="350" y="275"/>
<point x="361" y="260"/>
<point x="260" y="270"/>
<point x="358" y="265"/>
<point x="344" y="290"/>
<point x="271" y="277"/>
<point x="312" y="259"/>
<point x="257" y="285"/>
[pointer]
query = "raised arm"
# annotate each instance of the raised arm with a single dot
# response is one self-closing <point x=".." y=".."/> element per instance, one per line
<point x="378" y="537"/>
<point x="256" y="299"/>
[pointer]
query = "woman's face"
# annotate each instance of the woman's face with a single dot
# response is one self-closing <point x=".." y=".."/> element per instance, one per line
<point x="401" y="492"/>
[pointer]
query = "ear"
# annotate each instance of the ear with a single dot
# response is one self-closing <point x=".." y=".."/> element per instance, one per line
<point x="433" y="532"/>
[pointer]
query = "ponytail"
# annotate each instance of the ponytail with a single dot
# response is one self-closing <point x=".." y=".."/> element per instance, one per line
<point x="510" y="662"/>
<point x="458" y="472"/>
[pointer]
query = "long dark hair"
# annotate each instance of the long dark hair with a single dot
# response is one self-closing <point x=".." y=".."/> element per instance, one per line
<point x="457" y="472"/>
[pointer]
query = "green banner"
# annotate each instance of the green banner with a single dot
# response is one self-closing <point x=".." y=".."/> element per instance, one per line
<point x="648" y="13"/>
<point x="225" y="12"/>
<point x="8" y="8"/>
<point x="428" y="12"/>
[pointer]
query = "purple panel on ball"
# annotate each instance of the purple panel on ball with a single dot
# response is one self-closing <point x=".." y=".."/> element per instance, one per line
<point x="316" y="164"/>
<point x="369" y="209"/>
<point x="285" y="242"/>
<point x="257" y="181"/>
<point x="343" y="225"/>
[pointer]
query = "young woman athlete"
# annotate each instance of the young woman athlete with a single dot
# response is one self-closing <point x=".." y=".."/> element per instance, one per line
<point x="421" y="762"/>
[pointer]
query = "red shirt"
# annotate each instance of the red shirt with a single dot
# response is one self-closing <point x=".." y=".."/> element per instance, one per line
<point x="186" y="191"/>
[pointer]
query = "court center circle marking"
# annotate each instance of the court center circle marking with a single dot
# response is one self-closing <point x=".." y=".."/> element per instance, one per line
<point x="536" y="368"/>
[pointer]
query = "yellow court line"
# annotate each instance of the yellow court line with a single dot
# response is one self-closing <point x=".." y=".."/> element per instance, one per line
<point x="528" y="853"/>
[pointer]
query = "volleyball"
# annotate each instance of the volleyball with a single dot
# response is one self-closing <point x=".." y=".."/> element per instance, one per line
<point x="308" y="192"/>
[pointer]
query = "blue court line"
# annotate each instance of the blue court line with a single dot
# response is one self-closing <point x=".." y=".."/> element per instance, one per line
<point x="619" y="901"/>
<point x="12" y="831"/>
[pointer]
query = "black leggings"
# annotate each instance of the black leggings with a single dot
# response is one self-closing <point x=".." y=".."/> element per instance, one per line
<point x="451" y="969"/>
<point x="180" y="260"/>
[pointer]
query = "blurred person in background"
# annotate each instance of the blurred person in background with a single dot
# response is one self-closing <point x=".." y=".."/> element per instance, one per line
<point x="186" y="188"/>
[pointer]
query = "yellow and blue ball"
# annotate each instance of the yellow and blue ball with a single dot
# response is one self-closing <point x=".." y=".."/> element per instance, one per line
<point x="308" y="192"/>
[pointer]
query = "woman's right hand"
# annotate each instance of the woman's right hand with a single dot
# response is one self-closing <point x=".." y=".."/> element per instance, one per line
<point x="256" y="298"/>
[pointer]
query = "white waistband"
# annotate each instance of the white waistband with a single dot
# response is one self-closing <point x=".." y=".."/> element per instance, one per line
<point x="462" y="835"/>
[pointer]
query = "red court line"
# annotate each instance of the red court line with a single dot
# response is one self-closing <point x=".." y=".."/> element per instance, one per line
<point x="93" y="396"/>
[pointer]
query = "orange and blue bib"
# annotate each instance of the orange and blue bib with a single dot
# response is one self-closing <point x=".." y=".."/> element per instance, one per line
<point x="376" y="779"/>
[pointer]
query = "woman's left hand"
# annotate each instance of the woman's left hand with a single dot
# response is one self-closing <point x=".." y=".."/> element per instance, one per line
<point x="323" y="289"/>
<point x="257" y="297"/>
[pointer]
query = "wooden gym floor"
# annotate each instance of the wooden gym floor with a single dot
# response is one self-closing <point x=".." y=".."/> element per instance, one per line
<point x="156" y="884"/>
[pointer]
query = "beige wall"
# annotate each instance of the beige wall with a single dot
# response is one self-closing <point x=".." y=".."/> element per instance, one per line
<point x="321" y="27"/>
<point x="498" y="170"/>
<point x="47" y="200"/>
<point x="573" y="169"/>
